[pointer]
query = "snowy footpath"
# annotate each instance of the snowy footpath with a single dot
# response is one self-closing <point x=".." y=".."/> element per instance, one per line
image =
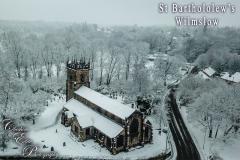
<point x="227" y="151"/>
<point x="49" y="133"/>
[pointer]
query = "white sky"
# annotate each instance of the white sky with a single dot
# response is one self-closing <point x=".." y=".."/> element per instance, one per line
<point x="104" y="12"/>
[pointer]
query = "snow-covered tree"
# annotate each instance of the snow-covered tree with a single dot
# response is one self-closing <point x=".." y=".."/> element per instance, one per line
<point x="13" y="46"/>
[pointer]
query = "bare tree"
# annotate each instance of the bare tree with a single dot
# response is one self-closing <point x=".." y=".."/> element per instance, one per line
<point x="33" y="48"/>
<point x="92" y="59"/>
<point x="101" y="66"/>
<point x="163" y="69"/>
<point x="12" y="42"/>
<point x="113" y="59"/>
<point x="5" y="97"/>
<point x="127" y="58"/>
<point x="48" y="53"/>
<point x="140" y="74"/>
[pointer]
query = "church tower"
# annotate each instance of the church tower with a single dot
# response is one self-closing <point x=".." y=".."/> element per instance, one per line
<point x="77" y="75"/>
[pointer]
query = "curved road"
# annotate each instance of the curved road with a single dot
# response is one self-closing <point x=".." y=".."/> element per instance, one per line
<point x="186" y="149"/>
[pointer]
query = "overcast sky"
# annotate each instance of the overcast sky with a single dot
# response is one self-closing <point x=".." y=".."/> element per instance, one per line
<point x="104" y="12"/>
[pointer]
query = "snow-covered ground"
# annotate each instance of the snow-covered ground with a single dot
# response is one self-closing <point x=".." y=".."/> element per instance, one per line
<point x="48" y="117"/>
<point x="46" y="132"/>
<point x="12" y="149"/>
<point x="229" y="150"/>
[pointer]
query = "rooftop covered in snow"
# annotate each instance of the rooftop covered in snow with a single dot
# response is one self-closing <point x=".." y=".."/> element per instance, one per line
<point x="106" y="103"/>
<point x="233" y="78"/>
<point x="88" y="117"/>
<point x="203" y="75"/>
<point x="209" y="71"/>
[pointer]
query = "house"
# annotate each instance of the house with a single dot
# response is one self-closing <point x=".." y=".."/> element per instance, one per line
<point x="207" y="73"/>
<point x="92" y="115"/>
<point x="192" y="69"/>
<point x="235" y="78"/>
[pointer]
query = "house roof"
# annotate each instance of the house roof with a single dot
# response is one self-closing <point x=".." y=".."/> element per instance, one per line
<point x="88" y="117"/>
<point x="233" y="78"/>
<point x="236" y="77"/>
<point x="120" y="110"/>
<point x="203" y="75"/>
<point x="209" y="71"/>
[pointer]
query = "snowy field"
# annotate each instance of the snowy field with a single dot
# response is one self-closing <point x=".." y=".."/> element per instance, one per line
<point x="227" y="151"/>
<point x="13" y="149"/>
<point x="50" y="133"/>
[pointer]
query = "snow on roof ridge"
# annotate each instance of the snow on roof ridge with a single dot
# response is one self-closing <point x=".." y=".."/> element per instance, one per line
<point x="106" y="103"/>
<point x="87" y="117"/>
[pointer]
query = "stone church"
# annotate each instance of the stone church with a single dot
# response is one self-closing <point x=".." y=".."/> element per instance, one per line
<point x="92" y="115"/>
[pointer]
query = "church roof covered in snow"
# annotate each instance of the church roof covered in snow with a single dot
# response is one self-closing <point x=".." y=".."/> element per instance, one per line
<point x="88" y="117"/>
<point x="106" y="103"/>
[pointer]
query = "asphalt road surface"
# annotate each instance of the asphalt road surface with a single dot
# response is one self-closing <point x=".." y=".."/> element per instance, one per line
<point x="186" y="149"/>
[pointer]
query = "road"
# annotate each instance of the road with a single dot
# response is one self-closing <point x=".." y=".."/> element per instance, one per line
<point x="186" y="149"/>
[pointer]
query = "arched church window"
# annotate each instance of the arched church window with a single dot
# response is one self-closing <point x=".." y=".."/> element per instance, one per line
<point x="146" y="132"/>
<point x="82" y="79"/>
<point x="87" y="131"/>
<point x="108" y="142"/>
<point x="134" y="127"/>
<point x="75" y="129"/>
<point x="120" y="141"/>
